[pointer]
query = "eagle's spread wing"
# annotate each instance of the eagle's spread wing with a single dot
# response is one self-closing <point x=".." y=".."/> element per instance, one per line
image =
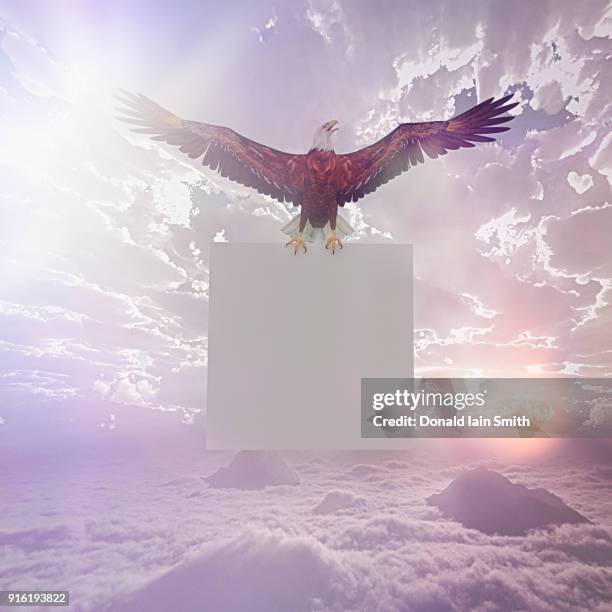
<point x="365" y="170"/>
<point x="271" y="172"/>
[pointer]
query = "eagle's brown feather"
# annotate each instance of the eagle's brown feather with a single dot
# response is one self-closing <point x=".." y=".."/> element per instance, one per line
<point x="363" y="171"/>
<point x="269" y="171"/>
<point x="288" y="177"/>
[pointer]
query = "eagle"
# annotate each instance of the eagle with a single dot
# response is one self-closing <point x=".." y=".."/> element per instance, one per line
<point x="321" y="180"/>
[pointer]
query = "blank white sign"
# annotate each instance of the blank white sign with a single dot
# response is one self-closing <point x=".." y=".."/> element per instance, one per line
<point x="291" y="337"/>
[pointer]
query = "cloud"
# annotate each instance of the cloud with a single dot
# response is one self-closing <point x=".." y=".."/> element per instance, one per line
<point x="39" y="538"/>
<point x="267" y="31"/>
<point x="570" y="252"/>
<point x="337" y="500"/>
<point x="327" y="19"/>
<point x="156" y="532"/>
<point x="548" y="97"/>
<point x="580" y="183"/>
<point x="257" y="571"/>
<point x="602" y="158"/>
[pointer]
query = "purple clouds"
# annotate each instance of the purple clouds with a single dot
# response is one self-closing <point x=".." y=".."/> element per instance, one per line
<point x="105" y="235"/>
<point x="131" y="533"/>
<point x="104" y="294"/>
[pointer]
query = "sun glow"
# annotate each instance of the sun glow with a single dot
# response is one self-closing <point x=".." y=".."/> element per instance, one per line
<point x="518" y="449"/>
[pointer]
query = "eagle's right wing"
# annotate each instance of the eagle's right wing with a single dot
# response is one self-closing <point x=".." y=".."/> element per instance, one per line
<point x="269" y="171"/>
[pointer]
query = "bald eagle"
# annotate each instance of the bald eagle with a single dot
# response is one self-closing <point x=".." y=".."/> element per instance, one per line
<point x="321" y="180"/>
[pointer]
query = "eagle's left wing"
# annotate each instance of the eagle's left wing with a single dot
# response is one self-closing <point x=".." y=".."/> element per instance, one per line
<point x="269" y="171"/>
<point x="363" y="171"/>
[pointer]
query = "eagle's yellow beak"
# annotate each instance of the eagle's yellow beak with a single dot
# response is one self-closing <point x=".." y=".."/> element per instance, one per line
<point x="332" y="126"/>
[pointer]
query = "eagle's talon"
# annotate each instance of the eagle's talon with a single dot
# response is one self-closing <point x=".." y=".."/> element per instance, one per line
<point x="297" y="242"/>
<point x="333" y="242"/>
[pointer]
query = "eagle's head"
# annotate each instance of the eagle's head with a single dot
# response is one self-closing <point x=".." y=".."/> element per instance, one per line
<point x="322" y="137"/>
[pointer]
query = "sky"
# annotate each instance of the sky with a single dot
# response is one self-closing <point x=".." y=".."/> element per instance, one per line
<point x="104" y="241"/>
<point x="104" y="235"/>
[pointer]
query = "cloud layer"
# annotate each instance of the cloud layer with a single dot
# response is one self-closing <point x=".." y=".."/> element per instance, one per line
<point x="141" y="538"/>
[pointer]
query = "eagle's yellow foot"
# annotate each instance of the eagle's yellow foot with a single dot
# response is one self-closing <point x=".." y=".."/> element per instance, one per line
<point x="333" y="242"/>
<point x="298" y="242"/>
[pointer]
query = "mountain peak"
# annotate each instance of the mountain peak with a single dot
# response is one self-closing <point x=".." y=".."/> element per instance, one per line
<point x="486" y="500"/>
<point x="253" y="470"/>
